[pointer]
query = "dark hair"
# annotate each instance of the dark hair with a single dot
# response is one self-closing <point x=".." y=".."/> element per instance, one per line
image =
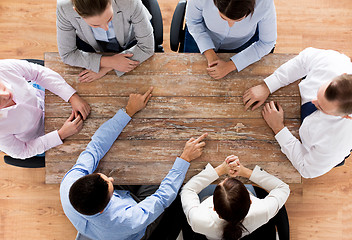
<point x="90" y="8"/>
<point x="90" y="194"/>
<point x="235" y="9"/>
<point x="340" y="90"/>
<point x="232" y="202"/>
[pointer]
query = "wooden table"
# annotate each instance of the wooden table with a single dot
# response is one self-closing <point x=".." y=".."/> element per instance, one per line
<point x="186" y="102"/>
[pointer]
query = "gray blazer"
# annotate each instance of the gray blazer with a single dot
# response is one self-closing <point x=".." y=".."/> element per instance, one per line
<point x="131" y="20"/>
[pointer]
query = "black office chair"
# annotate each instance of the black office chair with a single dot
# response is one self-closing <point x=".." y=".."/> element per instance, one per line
<point x="32" y="162"/>
<point x="177" y="30"/>
<point x="157" y="23"/>
<point x="279" y="223"/>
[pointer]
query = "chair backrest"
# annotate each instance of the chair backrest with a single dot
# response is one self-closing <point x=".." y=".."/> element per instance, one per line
<point x="279" y="223"/>
<point x="157" y="22"/>
<point x="177" y="32"/>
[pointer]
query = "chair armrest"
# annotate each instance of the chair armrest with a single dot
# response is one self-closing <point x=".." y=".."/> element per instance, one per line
<point x="157" y="20"/>
<point x="176" y="30"/>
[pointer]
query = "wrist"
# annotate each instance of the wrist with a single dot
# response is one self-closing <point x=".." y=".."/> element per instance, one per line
<point x="231" y="66"/>
<point x="220" y="170"/>
<point x="61" y="134"/>
<point x="276" y="130"/>
<point x="185" y="157"/>
<point x="129" y="111"/>
<point x="73" y="97"/>
<point x="246" y="173"/>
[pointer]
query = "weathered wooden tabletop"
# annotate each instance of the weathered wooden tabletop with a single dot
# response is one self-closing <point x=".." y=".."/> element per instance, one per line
<point x="186" y="103"/>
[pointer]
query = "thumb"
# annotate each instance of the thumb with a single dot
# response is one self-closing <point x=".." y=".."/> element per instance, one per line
<point x="127" y="55"/>
<point x="70" y="118"/>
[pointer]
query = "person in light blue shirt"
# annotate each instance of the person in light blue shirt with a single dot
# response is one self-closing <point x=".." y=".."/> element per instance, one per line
<point x="89" y="200"/>
<point x="245" y="27"/>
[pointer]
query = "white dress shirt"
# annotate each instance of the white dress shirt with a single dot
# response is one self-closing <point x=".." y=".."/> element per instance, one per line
<point x="210" y="31"/>
<point x="204" y="220"/>
<point x="326" y="139"/>
<point x="22" y="125"/>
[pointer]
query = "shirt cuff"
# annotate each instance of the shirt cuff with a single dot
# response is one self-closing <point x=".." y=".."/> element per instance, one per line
<point x="283" y="137"/>
<point x="53" y="139"/>
<point x="240" y="62"/>
<point x="211" y="172"/>
<point x="67" y="94"/>
<point x="181" y="165"/>
<point x="205" y="44"/>
<point x="122" y="117"/>
<point x="255" y="177"/>
<point x="272" y="83"/>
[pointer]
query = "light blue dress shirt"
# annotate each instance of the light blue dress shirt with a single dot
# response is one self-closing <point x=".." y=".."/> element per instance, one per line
<point x="122" y="218"/>
<point x="102" y="35"/>
<point x="210" y="31"/>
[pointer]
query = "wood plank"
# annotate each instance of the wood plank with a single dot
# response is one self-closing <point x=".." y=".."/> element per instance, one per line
<point x="179" y="64"/>
<point x="181" y="129"/>
<point x="157" y="157"/>
<point x="172" y="107"/>
<point x="172" y="85"/>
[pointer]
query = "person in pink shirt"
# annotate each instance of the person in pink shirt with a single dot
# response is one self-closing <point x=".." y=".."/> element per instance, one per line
<point x="22" y="109"/>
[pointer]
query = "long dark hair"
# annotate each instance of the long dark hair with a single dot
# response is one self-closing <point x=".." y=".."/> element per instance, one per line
<point x="232" y="202"/>
<point x="235" y="9"/>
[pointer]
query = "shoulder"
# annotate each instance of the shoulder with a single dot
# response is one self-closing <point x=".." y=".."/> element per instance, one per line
<point x="64" y="4"/>
<point x="12" y="64"/>
<point x="263" y="4"/>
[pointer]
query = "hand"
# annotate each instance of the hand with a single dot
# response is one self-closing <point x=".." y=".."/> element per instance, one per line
<point x="274" y="117"/>
<point x="193" y="148"/>
<point x="219" y="68"/>
<point x="90" y="76"/>
<point x="71" y="126"/>
<point x="255" y="95"/>
<point x="122" y="63"/>
<point x="237" y="169"/>
<point x="137" y="102"/>
<point x="79" y="106"/>
<point x="227" y="167"/>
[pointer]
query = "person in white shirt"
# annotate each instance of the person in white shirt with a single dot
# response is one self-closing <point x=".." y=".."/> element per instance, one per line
<point x="232" y="211"/>
<point x="22" y="109"/>
<point x="325" y="131"/>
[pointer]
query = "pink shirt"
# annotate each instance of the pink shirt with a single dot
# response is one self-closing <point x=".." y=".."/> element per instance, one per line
<point x="22" y="125"/>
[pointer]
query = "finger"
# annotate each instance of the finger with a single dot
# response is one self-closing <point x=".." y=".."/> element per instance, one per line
<point x="201" y="145"/>
<point x="280" y="108"/>
<point x="84" y="77"/>
<point x="246" y="98"/>
<point x="272" y="105"/>
<point x="213" y="64"/>
<point x="191" y="139"/>
<point x="211" y="69"/>
<point x="147" y="99"/>
<point x="147" y="93"/>
<point x="70" y="118"/>
<point x="83" y="113"/>
<point x="267" y="107"/>
<point x="256" y="105"/>
<point x="198" y="140"/>
<point x="248" y="104"/>
<point x="128" y="55"/>
<point x="77" y="119"/>
<point x="76" y="114"/>
<point x="83" y="73"/>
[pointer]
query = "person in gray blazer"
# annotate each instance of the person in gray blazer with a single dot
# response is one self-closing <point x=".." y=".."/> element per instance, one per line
<point x="103" y="35"/>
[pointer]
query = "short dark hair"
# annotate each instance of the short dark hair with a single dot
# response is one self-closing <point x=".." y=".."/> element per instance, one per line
<point x="90" y="8"/>
<point x="340" y="90"/>
<point x="90" y="194"/>
<point x="235" y="9"/>
<point x="231" y="202"/>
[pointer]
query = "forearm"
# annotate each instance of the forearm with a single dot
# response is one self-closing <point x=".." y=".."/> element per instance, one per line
<point x="22" y="150"/>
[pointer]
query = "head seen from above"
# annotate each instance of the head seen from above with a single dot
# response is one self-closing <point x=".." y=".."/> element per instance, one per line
<point x="234" y="10"/>
<point x="90" y="194"/>
<point x="96" y="13"/>
<point x="231" y="202"/>
<point x="335" y="97"/>
<point x="6" y="97"/>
